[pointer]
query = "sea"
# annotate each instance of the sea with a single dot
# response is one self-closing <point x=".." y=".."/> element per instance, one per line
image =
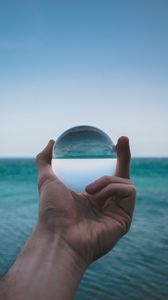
<point x="135" y="269"/>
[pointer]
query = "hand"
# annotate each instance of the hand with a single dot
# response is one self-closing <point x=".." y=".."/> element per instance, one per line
<point x="72" y="231"/>
<point x="90" y="223"/>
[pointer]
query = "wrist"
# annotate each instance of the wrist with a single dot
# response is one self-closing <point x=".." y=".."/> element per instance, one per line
<point x="58" y="249"/>
<point x="46" y="267"/>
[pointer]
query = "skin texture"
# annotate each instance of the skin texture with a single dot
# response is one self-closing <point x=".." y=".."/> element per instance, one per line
<point x="72" y="230"/>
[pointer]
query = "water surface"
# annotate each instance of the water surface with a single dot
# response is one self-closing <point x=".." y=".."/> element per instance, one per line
<point x="135" y="269"/>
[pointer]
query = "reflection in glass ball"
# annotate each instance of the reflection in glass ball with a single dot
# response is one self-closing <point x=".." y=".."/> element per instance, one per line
<point x="81" y="155"/>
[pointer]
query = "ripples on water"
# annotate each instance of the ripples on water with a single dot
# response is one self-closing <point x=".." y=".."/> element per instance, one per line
<point x="135" y="269"/>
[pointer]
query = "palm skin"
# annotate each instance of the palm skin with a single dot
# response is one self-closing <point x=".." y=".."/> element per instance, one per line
<point x="89" y="223"/>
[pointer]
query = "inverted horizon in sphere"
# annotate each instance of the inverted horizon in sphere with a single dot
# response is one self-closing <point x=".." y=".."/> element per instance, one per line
<point x="84" y="142"/>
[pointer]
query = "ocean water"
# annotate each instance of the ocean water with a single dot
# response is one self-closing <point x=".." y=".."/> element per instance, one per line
<point x="136" y="269"/>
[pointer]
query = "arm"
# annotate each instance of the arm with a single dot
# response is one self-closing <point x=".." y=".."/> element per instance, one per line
<point x="45" y="269"/>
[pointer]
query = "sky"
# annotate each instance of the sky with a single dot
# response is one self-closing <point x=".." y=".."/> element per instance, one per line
<point x="92" y="62"/>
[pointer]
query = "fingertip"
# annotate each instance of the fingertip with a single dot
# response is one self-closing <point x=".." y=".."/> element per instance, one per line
<point x="123" y="148"/>
<point x="123" y="157"/>
<point x="45" y="156"/>
<point x="123" y="141"/>
<point x="51" y="141"/>
<point x="49" y="145"/>
<point x="91" y="188"/>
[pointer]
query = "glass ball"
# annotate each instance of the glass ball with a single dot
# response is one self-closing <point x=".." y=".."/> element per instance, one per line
<point x="81" y="155"/>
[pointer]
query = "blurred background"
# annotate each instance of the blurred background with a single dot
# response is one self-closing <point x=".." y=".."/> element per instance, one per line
<point x="95" y="62"/>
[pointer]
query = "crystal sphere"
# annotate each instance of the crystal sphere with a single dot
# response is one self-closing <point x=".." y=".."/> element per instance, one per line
<point x="81" y="155"/>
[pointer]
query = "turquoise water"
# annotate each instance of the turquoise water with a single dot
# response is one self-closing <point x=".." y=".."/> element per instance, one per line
<point x="135" y="269"/>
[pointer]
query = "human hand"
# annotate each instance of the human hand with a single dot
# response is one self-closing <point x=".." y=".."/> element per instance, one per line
<point x="90" y="223"/>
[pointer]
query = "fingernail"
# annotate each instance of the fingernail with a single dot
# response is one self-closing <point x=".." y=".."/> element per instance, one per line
<point x="51" y="141"/>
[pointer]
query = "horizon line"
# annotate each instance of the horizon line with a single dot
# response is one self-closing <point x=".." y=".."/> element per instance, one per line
<point x="134" y="156"/>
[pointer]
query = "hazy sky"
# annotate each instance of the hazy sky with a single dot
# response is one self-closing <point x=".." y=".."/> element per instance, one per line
<point x="66" y="63"/>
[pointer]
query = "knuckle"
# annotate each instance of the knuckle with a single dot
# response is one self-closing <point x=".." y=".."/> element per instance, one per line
<point x="110" y="187"/>
<point x="127" y="224"/>
<point x="38" y="157"/>
<point x="106" y="178"/>
<point x="133" y="191"/>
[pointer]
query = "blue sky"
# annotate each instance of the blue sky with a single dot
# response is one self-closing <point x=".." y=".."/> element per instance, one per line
<point x="66" y="63"/>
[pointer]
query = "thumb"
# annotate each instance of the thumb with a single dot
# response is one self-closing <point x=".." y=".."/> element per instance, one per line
<point x="43" y="163"/>
<point x="43" y="159"/>
<point x="123" y="158"/>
